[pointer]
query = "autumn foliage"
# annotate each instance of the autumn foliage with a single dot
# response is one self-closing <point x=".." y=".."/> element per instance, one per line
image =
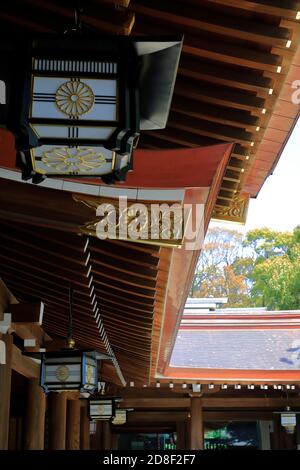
<point x="260" y="269"/>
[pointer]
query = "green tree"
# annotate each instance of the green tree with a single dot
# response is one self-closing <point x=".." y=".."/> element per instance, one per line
<point x="276" y="272"/>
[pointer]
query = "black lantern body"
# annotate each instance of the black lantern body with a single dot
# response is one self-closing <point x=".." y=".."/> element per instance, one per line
<point x="85" y="100"/>
<point x="69" y="369"/>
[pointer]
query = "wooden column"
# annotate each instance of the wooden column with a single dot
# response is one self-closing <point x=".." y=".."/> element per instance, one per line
<point x="84" y="426"/>
<point x="57" y="420"/>
<point x="114" y="441"/>
<point x="107" y="440"/>
<point x="196" y="425"/>
<point x="181" y="435"/>
<point x="35" y="416"/>
<point x="5" y="388"/>
<point x="73" y="424"/>
<point x="275" y="438"/>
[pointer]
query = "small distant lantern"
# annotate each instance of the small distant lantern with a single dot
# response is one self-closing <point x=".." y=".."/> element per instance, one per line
<point x="120" y="416"/>
<point x="69" y="369"/>
<point x="101" y="408"/>
<point x="289" y="420"/>
<point x="93" y="427"/>
<point x="85" y="101"/>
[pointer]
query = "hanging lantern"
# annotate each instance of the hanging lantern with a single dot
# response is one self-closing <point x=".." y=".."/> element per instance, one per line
<point x="120" y="416"/>
<point x="101" y="408"/>
<point x="93" y="427"/>
<point x="85" y="101"/>
<point x="288" y="420"/>
<point x="69" y="370"/>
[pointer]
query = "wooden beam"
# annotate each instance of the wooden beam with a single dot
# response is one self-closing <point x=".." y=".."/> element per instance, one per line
<point x="156" y="403"/>
<point x="156" y="416"/>
<point x="27" y="312"/>
<point x="5" y="389"/>
<point x="222" y="75"/>
<point x="241" y="402"/>
<point x="24" y="365"/>
<point x="35" y="416"/>
<point x="224" y="96"/>
<point x="187" y="17"/>
<point x="31" y="331"/>
<point x="223" y="115"/>
<point x="287" y="9"/>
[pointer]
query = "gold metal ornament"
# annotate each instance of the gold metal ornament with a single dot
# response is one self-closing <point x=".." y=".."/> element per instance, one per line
<point x="89" y="374"/>
<point x="62" y="373"/>
<point x="100" y="409"/>
<point x="74" y="98"/>
<point x="73" y="160"/>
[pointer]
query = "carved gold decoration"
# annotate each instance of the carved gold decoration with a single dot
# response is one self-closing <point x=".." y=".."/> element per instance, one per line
<point x="236" y="212"/>
<point x="62" y="373"/>
<point x="74" y="98"/>
<point x="152" y="226"/>
<point x="73" y="160"/>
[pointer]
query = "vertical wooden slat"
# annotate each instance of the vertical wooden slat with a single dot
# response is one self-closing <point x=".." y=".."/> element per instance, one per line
<point x="5" y="389"/>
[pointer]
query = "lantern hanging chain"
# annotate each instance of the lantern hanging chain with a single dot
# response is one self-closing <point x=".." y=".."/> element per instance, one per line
<point x="77" y="28"/>
<point x="77" y="15"/>
<point x="287" y="400"/>
<point x="70" y="340"/>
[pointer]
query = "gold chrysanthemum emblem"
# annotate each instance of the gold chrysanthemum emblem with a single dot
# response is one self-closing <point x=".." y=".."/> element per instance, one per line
<point x="74" y="98"/>
<point x="73" y="160"/>
<point x="62" y="373"/>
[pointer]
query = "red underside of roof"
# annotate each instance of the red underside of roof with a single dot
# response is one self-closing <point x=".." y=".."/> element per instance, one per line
<point x="179" y="168"/>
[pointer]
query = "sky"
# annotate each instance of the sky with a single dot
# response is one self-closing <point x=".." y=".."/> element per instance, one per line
<point x="277" y="205"/>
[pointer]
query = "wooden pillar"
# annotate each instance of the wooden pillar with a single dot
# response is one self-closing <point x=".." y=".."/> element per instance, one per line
<point x="107" y="441"/>
<point x="114" y="441"/>
<point x="73" y="424"/>
<point x="84" y="426"/>
<point x="5" y="389"/>
<point x="181" y="435"/>
<point x="196" y="425"/>
<point x="57" y="420"/>
<point x="35" y="416"/>
<point x="276" y="433"/>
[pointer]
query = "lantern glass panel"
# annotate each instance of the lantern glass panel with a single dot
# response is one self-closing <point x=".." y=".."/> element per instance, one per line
<point x="55" y="160"/>
<point x="74" y="98"/>
<point x="101" y="409"/>
<point x="288" y="421"/>
<point x="69" y="370"/>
